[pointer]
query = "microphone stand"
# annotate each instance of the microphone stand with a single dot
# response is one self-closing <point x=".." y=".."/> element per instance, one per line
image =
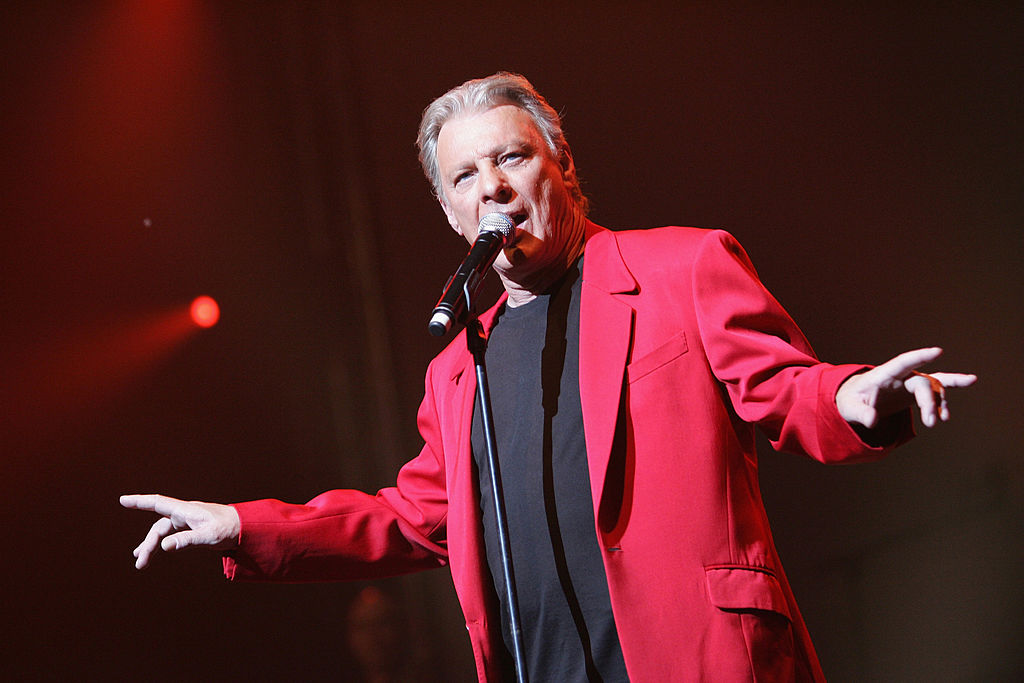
<point x="477" y="343"/>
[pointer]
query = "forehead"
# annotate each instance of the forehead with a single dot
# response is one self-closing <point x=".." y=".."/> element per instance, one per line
<point x="482" y="133"/>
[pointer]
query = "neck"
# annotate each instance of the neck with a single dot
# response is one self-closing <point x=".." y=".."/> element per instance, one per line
<point x="526" y="290"/>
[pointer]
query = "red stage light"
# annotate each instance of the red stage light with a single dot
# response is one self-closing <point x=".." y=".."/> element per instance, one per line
<point x="205" y="311"/>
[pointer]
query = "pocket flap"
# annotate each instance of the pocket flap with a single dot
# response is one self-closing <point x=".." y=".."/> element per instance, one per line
<point x="670" y="350"/>
<point x="737" y="587"/>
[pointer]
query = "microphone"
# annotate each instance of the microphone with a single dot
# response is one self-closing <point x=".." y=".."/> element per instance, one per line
<point x="495" y="231"/>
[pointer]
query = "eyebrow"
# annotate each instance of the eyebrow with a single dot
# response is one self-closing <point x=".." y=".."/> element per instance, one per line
<point x="519" y="143"/>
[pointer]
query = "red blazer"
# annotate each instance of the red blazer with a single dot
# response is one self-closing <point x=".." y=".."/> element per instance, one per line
<point x="682" y="351"/>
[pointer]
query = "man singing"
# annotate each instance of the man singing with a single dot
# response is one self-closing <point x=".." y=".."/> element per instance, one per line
<point x="627" y="372"/>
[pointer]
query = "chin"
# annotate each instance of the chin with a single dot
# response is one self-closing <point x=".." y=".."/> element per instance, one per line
<point x="516" y="256"/>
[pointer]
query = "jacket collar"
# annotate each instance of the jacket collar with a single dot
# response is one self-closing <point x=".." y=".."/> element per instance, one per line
<point x="603" y="266"/>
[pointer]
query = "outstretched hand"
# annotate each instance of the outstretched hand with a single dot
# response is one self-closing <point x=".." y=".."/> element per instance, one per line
<point x="895" y="385"/>
<point x="184" y="524"/>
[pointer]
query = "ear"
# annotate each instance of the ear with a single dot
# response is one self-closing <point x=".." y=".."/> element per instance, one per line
<point x="450" y="214"/>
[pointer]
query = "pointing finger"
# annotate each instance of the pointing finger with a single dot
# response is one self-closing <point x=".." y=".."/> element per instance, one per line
<point x="954" y="379"/>
<point x="163" y="505"/>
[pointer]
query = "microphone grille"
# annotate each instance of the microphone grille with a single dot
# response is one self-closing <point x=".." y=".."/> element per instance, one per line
<point x="499" y="223"/>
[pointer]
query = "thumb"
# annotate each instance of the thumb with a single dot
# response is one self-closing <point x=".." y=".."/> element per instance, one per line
<point x="862" y="413"/>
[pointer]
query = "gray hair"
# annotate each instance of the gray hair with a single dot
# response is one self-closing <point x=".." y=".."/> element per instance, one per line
<point x="481" y="94"/>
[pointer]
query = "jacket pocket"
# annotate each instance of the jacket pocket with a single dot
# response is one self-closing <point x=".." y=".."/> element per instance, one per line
<point x="648" y="363"/>
<point x="744" y="588"/>
<point x="753" y="599"/>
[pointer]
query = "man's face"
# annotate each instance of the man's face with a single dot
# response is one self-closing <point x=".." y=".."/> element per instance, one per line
<point x="497" y="160"/>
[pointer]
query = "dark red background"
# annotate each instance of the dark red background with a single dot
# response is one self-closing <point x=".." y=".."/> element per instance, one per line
<point x="867" y="157"/>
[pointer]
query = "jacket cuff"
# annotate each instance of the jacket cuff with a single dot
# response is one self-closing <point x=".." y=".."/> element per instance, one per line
<point x="866" y="444"/>
<point x="239" y="564"/>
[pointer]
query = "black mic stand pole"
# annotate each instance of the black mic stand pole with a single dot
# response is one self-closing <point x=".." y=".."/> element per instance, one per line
<point x="477" y="343"/>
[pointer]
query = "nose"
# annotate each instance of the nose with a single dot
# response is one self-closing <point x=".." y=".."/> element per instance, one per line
<point x="494" y="186"/>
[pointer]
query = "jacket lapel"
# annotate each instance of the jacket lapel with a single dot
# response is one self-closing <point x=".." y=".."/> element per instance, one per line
<point x="606" y="328"/>
<point x="463" y="375"/>
<point x="465" y="540"/>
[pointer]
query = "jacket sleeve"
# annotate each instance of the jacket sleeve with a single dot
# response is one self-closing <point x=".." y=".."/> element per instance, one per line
<point x="771" y="374"/>
<point x="347" y="534"/>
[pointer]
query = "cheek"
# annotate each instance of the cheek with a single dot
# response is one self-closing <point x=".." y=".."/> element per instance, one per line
<point x="463" y="221"/>
<point x="555" y="195"/>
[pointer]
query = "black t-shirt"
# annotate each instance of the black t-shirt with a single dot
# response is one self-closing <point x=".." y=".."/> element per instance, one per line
<point x="533" y="373"/>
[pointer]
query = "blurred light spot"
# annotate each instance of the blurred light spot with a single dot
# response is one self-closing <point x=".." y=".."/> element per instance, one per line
<point x="205" y="311"/>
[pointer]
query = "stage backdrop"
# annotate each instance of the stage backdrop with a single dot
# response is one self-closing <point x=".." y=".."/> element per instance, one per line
<point x="262" y="153"/>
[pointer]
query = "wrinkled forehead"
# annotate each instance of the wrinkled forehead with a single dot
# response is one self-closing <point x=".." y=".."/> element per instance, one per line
<point x="482" y="131"/>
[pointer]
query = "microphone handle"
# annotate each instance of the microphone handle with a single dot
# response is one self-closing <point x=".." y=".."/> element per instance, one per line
<point x="466" y="281"/>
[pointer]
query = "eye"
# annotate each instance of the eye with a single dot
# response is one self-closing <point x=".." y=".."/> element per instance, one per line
<point x="511" y="157"/>
<point x="461" y="178"/>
